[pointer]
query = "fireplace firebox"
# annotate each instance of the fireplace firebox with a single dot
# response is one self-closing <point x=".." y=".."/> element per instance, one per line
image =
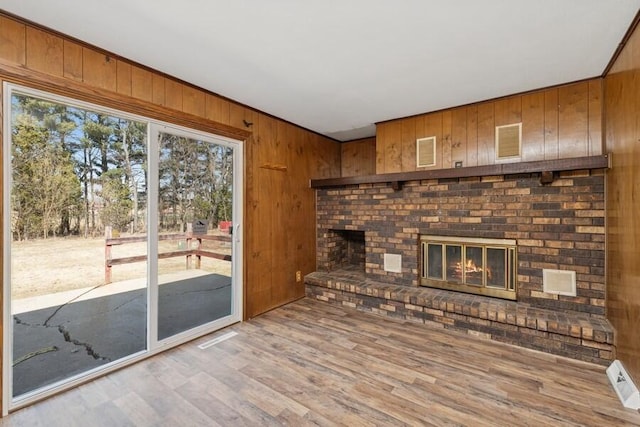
<point x="473" y="265"/>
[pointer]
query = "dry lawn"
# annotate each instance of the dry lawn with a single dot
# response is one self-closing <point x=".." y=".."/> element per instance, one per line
<point x="41" y="267"/>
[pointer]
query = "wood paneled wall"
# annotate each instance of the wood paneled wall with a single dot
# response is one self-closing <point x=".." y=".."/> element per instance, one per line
<point x="558" y="122"/>
<point x="359" y="157"/>
<point x="622" y="106"/>
<point x="280" y="158"/>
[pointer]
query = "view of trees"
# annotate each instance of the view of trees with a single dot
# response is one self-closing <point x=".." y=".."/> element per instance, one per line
<point x="76" y="171"/>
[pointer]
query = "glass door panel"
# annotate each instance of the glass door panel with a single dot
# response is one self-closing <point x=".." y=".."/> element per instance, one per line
<point x="195" y="201"/>
<point x="77" y="240"/>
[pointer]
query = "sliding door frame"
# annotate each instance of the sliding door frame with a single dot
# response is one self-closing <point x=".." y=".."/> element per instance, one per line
<point x="153" y="345"/>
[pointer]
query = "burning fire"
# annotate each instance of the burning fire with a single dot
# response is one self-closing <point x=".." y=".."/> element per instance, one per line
<point x="471" y="267"/>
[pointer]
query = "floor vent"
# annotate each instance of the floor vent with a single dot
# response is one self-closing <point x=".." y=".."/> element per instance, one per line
<point x="217" y="340"/>
<point x="623" y="385"/>
<point x="426" y="151"/>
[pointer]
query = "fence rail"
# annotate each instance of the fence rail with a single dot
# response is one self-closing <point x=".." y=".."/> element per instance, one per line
<point x="188" y="253"/>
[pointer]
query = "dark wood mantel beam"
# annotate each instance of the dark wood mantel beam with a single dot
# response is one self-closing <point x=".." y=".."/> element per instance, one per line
<point x="577" y="163"/>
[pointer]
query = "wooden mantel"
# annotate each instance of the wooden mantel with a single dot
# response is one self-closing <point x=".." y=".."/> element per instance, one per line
<point x="546" y="167"/>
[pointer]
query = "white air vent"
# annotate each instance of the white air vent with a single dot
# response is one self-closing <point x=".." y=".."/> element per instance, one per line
<point x="508" y="141"/>
<point x="393" y="263"/>
<point x="426" y="151"/>
<point x="559" y="282"/>
<point x="623" y="385"/>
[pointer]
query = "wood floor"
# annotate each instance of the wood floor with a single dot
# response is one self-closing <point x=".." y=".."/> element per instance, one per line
<point x="310" y="363"/>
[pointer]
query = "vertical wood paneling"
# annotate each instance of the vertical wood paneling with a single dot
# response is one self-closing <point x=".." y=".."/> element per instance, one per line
<point x="459" y="136"/>
<point x="173" y="94"/>
<point x="551" y="124"/>
<point x="533" y="126"/>
<point x="99" y="70"/>
<point x="572" y="112"/>
<point x="44" y="52"/>
<point x="72" y="60"/>
<point x="573" y="120"/>
<point x="446" y="139"/>
<point x="486" y="134"/>
<point x="508" y="110"/>
<point x="123" y="78"/>
<point x="13" y="41"/>
<point x="217" y="109"/>
<point x="472" y="135"/>
<point x="381" y="142"/>
<point x="622" y="108"/>
<point x="157" y="92"/>
<point x="595" y="118"/>
<point x="193" y="101"/>
<point x="393" y="147"/>
<point x="408" y="144"/>
<point x="141" y="84"/>
<point x="358" y="158"/>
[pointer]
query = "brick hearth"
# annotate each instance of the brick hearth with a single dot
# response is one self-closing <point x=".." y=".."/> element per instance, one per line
<point x="571" y="334"/>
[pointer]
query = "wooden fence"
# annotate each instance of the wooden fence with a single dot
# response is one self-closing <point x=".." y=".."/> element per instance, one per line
<point x="188" y="253"/>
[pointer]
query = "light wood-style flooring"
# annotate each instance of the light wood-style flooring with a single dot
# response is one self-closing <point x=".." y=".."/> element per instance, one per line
<point x="310" y="363"/>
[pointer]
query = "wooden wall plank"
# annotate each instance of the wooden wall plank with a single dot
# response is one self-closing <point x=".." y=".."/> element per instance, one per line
<point x="141" y="84"/>
<point x="99" y="70"/>
<point x="173" y="94"/>
<point x="595" y="138"/>
<point x="533" y="126"/>
<point x="13" y="40"/>
<point x="486" y="134"/>
<point x="508" y="110"/>
<point x="359" y="157"/>
<point x="446" y="139"/>
<point x="551" y="124"/>
<point x="193" y="101"/>
<point x="44" y="52"/>
<point x="408" y="148"/>
<point x="573" y="120"/>
<point x="393" y="147"/>
<point x="217" y="109"/>
<point x="381" y="143"/>
<point x="459" y="136"/>
<point x="158" y="89"/>
<point x="72" y="60"/>
<point x="472" y="135"/>
<point x="123" y="78"/>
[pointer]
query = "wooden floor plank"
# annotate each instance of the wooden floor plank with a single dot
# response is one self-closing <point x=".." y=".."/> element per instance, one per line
<point x="313" y="364"/>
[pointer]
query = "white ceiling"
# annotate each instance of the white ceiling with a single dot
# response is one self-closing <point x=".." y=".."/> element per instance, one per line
<point x="339" y="66"/>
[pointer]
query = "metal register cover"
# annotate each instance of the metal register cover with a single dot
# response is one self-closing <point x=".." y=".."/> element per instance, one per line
<point x="472" y="265"/>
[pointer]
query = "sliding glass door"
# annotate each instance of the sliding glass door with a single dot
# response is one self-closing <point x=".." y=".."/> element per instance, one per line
<point x="195" y="211"/>
<point x="119" y="239"/>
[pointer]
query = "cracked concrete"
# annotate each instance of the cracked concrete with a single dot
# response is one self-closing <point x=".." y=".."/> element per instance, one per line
<point x="55" y="343"/>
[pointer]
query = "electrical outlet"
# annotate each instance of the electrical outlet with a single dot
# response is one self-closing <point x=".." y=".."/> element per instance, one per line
<point x="298" y="276"/>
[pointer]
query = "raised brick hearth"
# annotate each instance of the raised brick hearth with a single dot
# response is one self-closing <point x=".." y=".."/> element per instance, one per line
<point x="556" y="226"/>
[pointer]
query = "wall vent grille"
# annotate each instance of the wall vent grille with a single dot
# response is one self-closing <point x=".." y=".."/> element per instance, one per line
<point x="559" y="282"/>
<point x="426" y="151"/>
<point x="508" y="141"/>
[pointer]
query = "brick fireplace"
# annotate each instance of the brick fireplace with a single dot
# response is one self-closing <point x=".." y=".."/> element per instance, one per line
<point x="557" y="226"/>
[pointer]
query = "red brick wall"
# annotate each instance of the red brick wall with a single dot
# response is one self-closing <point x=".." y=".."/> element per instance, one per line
<point x="557" y="226"/>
